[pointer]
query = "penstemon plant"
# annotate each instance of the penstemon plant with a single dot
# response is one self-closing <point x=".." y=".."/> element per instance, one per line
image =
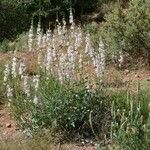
<point x="61" y="93"/>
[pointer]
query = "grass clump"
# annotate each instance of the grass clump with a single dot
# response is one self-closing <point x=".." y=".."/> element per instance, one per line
<point x="131" y="120"/>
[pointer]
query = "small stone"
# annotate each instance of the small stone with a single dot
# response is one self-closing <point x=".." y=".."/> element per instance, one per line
<point x="137" y="76"/>
<point x="127" y="71"/>
<point x="17" y="129"/>
<point x="148" y="79"/>
<point x="8" y="125"/>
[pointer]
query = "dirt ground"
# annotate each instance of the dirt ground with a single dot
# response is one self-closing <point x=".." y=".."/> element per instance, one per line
<point x="9" y="131"/>
<point x="8" y="125"/>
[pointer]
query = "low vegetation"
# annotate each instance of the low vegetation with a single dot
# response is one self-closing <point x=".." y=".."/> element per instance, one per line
<point x="57" y="82"/>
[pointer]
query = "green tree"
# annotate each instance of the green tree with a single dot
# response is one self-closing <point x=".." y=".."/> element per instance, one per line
<point x="128" y="30"/>
<point x="13" y="19"/>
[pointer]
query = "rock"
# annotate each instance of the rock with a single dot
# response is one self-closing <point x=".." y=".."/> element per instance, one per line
<point x="148" y="79"/>
<point x="8" y="125"/>
<point x="127" y="71"/>
<point x="137" y="76"/>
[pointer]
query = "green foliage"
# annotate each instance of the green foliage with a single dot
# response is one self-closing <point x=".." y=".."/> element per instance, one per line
<point x="15" y="16"/>
<point x="57" y="5"/>
<point x="2" y="89"/>
<point x="131" y="121"/>
<point x="19" y="44"/>
<point x="13" y="20"/>
<point x="93" y="30"/>
<point x="6" y="46"/>
<point x="127" y="30"/>
<point x="64" y="107"/>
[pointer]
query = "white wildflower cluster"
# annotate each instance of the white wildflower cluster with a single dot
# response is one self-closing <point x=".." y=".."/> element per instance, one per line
<point x="89" y="48"/>
<point x="60" y="51"/>
<point x="14" y="67"/>
<point x="36" y="80"/>
<point x="71" y="54"/>
<point x="22" y="68"/>
<point x="44" y="39"/>
<point x="71" y="20"/>
<point x="6" y="73"/>
<point x="39" y="59"/>
<point x="39" y="36"/>
<point x="48" y="58"/>
<point x="80" y="61"/>
<point x="121" y="60"/>
<point x="9" y="93"/>
<point x="99" y="61"/>
<point x="63" y="53"/>
<point x="48" y="35"/>
<point x="30" y="38"/>
<point x="78" y="38"/>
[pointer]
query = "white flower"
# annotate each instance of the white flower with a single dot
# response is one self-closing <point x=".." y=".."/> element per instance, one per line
<point x="39" y="61"/>
<point x="6" y="73"/>
<point x="48" y="36"/>
<point x="80" y="61"/>
<point x="14" y="65"/>
<point x="36" y="80"/>
<point x="59" y="30"/>
<point x="64" y="30"/>
<point x="9" y="94"/>
<point x="121" y="60"/>
<point x="99" y="61"/>
<point x="71" y="17"/>
<point x="39" y="35"/>
<point x="22" y="68"/>
<point x="44" y="40"/>
<point x="9" y="91"/>
<point x="48" y="59"/>
<point x="89" y="48"/>
<point x="30" y="37"/>
<point x="26" y="86"/>
<point x="35" y="100"/>
<point x="78" y="38"/>
<point x="71" y="20"/>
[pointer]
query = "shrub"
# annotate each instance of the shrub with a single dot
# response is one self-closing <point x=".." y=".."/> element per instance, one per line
<point x="128" y="30"/>
<point x="19" y="44"/>
<point x="5" y="46"/>
<point x="65" y="107"/>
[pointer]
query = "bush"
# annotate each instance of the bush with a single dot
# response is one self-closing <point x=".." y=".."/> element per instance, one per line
<point x="66" y="107"/>
<point x="21" y="43"/>
<point x="127" y="30"/>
